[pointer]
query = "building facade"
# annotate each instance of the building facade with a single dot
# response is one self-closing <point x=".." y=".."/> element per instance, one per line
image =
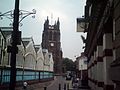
<point x="102" y="45"/>
<point x="81" y="67"/>
<point x="32" y="64"/>
<point x="51" y="41"/>
<point x="2" y="47"/>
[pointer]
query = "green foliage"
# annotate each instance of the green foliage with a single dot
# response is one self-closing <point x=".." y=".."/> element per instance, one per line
<point x="68" y="64"/>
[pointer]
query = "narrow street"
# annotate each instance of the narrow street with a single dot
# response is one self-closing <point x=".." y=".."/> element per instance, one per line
<point x="63" y="45"/>
<point x="59" y="84"/>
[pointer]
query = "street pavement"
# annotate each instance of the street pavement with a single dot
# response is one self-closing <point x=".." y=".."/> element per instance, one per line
<point x="60" y="83"/>
<point x="57" y="84"/>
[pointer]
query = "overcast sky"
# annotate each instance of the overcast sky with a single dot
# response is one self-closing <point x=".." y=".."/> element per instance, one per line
<point x="66" y="10"/>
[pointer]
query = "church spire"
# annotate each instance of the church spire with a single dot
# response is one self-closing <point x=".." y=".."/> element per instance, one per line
<point x="58" y="23"/>
<point x="46" y="24"/>
<point x="47" y="21"/>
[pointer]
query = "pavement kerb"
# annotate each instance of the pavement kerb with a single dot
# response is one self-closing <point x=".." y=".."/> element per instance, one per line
<point x="37" y="86"/>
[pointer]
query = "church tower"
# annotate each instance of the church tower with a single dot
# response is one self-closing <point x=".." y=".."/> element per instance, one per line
<point x="51" y="41"/>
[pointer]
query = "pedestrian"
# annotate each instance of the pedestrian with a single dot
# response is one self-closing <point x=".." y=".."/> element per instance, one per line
<point x="25" y="85"/>
<point x="69" y="81"/>
<point x="75" y="82"/>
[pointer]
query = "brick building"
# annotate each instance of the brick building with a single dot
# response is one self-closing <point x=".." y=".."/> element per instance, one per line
<point x="102" y="45"/>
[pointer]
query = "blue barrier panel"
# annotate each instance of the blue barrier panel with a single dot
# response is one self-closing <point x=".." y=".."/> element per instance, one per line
<point x="37" y="75"/>
<point x="5" y="76"/>
<point x="29" y="75"/>
<point x="19" y="75"/>
<point x="24" y="75"/>
<point x="41" y="75"/>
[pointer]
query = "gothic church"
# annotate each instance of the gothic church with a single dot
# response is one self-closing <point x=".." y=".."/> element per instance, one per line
<point x="51" y="41"/>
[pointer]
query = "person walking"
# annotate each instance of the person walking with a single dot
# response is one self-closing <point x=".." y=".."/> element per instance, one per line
<point x="25" y="85"/>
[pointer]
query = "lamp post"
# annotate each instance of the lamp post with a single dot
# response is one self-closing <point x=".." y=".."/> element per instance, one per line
<point x="14" y="49"/>
<point x="16" y="38"/>
<point x="22" y="14"/>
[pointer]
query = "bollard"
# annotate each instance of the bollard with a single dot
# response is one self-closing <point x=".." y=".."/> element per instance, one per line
<point x="45" y="88"/>
<point x="64" y="86"/>
<point x="67" y="86"/>
<point x="59" y="86"/>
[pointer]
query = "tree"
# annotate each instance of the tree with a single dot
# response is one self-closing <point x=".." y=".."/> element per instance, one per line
<point x="68" y="64"/>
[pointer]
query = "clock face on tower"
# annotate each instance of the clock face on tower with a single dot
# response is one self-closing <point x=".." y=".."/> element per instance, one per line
<point x="52" y="44"/>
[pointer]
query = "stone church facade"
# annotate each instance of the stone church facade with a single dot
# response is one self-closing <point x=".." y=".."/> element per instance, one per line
<point x="51" y="41"/>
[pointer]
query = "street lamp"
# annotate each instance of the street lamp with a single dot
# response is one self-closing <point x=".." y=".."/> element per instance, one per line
<point x="16" y="38"/>
<point x="22" y="15"/>
<point x="13" y="48"/>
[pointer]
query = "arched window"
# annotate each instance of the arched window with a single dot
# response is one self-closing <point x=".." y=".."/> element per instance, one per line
<point x="50" y="35"/>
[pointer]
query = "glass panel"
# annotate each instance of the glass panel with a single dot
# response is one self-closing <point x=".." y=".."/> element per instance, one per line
<point x="6" y="76"/>
<point x="41" y="75"/>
